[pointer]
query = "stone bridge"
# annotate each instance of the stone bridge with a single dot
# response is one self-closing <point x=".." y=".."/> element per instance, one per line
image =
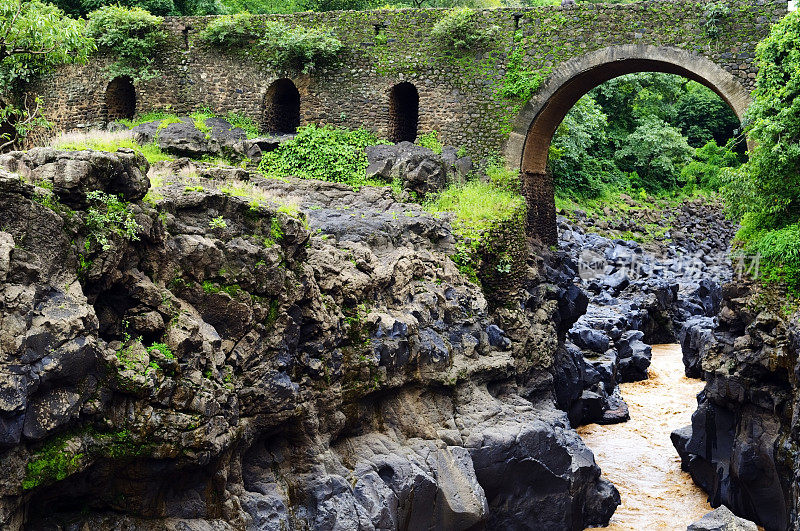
<point x="395" y="80"/>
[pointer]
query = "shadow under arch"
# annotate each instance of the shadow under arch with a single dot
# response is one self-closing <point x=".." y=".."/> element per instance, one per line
<point x="528" y="145"/>
<point x="120" y="99"/>
<point x="281" y="112"/>
<point x="403" y="112"/>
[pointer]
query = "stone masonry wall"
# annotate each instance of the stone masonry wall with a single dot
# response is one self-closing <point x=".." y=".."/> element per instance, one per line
<point x="459" y="92"/>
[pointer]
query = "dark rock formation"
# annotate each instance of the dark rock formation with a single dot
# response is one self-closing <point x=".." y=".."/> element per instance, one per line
<point x="184" y="139"/>
<point x="638" y="295"/>
<point x="303" y="359"/>
<point x="742" y="446"/>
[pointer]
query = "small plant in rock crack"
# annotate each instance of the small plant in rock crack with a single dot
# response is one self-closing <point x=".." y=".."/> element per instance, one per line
<point x="217" y="223"/>
<point x="108" y="215"/>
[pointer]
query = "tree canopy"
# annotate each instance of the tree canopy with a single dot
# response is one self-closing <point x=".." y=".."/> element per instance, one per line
<point x="35" y="38"/>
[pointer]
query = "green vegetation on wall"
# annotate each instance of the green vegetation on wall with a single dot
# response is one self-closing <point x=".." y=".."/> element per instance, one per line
<point x="459" y="30"/>
<point x="282" y="46"/>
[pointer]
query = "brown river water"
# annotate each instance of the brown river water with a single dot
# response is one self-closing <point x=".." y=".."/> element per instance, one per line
<point x="638" y="456"/>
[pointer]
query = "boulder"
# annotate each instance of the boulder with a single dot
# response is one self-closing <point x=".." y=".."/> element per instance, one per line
<point x="184" y="139"/>
<point x="420" y="169"/>
<point x="722" y="519"/>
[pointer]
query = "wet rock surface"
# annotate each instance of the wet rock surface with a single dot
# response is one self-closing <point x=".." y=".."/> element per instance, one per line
<point x="309" y="360"/>
<point x="662" y="290"/>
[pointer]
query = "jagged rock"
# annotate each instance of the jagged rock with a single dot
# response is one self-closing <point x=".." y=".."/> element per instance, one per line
<point x="742" y="436"/>
<point x="73" y="174"/>
<point x="722" y="519"/>
<point x="184" y="139"/>
<point x="694" y="333"/>
<point x="634" y="356"/>
<point x="590" y="339"/>
<point x="241" y="365"/>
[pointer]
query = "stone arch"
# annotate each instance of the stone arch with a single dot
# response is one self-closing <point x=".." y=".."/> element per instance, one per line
<point x="403" y="112"/>
<point x="529" y="143"/>
<point x="120" y="99"/>
<point x="282" y="107"/>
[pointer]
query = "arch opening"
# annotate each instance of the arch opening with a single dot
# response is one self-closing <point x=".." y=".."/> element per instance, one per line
<point x="403" y="112"/>
<point x="282" y="108"/>
<point x="529" y="144"/>
<point x="120" y="99"/>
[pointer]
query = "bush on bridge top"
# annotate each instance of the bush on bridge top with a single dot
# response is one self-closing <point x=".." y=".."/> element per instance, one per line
<point x="230" y="31"/>
<point x="299" y="48"/>
<point x="458" y="30"/>
<point x="132" y="35"/>
<point x="283" y="46"/>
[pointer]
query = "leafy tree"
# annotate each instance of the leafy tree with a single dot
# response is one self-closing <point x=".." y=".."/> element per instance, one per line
<point x="630" y="98"/>
<point x="575" y="161"/>
<point x="703" y="116"/>
<point x="707" y="164"/>
<point x="80" y="8"/>
<point x="657" y="152"/>
<point x="36" y="37"/>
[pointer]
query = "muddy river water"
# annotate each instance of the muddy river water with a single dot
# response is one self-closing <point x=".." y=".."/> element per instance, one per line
<point x="638" y="456"/>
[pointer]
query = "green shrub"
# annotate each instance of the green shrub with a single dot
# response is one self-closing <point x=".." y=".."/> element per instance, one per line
<point x="656" y="152"/>
<point x="485" y="218"/>
<point x="322" y="152"/>
<point x="707" y="163"/>
<point x="298" y="48"/>
<point x="230" y="31"/>
<point x="503" y="178"/>
<point x="163" y="349"/>
<point x="132" y="35"/>
<point x="777" y="251"/>
<point x="478" y="206"/>
<point x="431" y="141"/>
<point x="458" y="30"/>
<point x="108" y="215"/>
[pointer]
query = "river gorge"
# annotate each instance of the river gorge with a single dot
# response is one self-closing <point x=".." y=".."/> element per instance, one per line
<point x="637" y="456"/>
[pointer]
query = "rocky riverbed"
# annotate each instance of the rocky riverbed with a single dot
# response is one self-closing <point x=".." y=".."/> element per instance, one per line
<point x="640" y="293"/>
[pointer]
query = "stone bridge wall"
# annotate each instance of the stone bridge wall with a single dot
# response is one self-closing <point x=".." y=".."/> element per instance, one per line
<point x="459" y="93"/>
